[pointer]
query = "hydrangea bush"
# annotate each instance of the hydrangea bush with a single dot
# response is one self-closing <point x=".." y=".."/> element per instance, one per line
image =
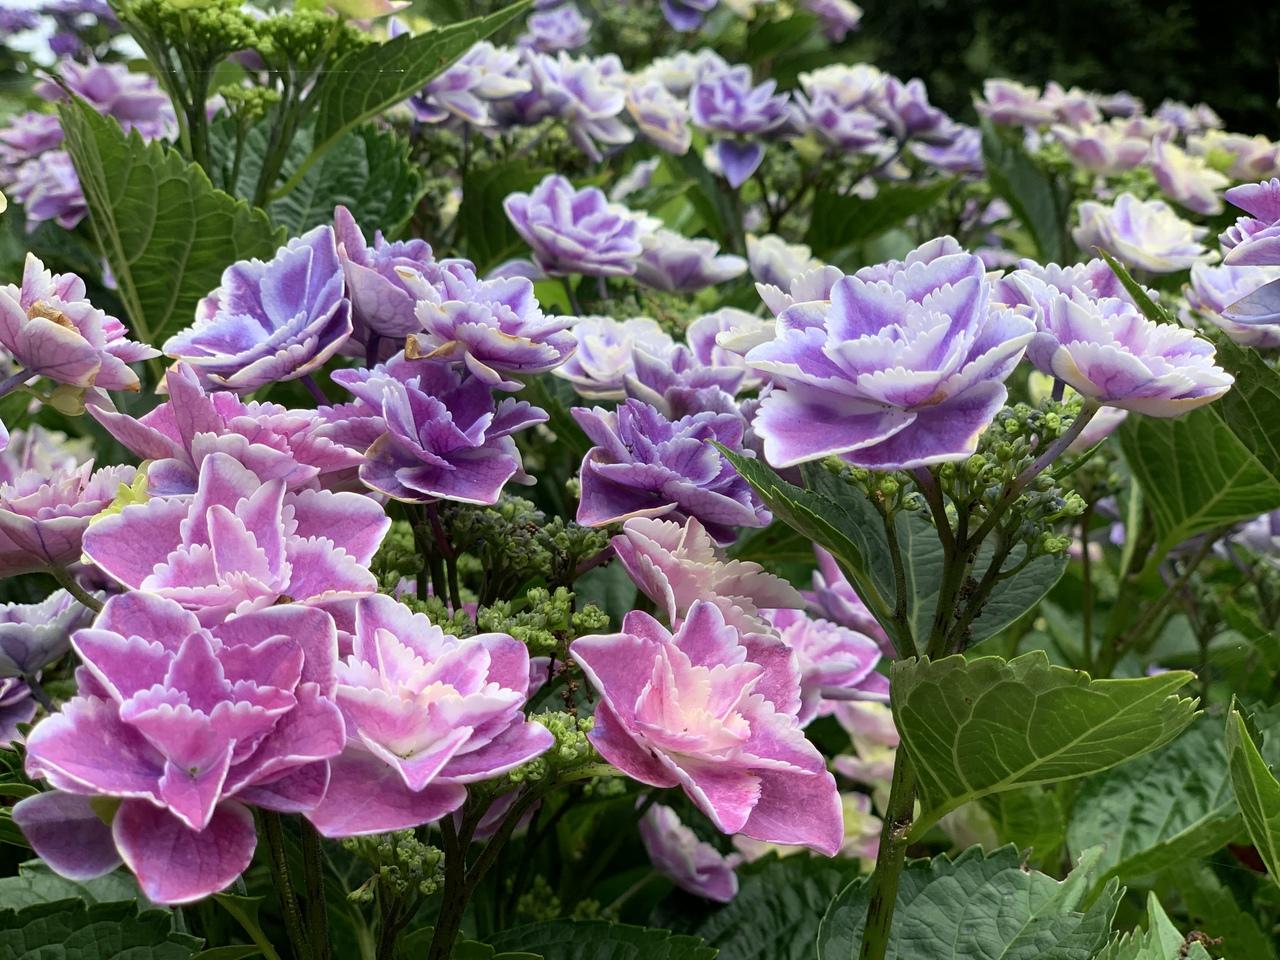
<point x="607" y="480"/>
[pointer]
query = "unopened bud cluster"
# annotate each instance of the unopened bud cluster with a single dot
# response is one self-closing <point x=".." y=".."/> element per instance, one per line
<point x="571" y="748"/>
<point x="402" y="864"/>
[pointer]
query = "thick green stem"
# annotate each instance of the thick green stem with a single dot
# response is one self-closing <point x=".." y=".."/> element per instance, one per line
<point x="273" y="828"/>
<point x="317" y="908"/>
<point x="889" y="859"/>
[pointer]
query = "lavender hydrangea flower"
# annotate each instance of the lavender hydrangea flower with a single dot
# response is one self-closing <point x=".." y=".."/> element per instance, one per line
<point x="838" y="18"/>
<point x="1073" y="106"/>
<point x="1145" y="234"/>
<point x="185" y="727"/>
<point x="1187" y="179"/>
<point x="1108" y="351"/>
<point x="48" y="189"/>
<point x="469" y="88"/>
<point x="274" y="442"/>
<point x="835" y="662"/>
<point x="605" y="354"/>
<point x="577" y="231"/>
<point x="675" y="565"/>
<point x="561" y="27"/>
<point x="833" y="598"/>
<point x="678" y="264"/>
<point x="271" y="321"/>
<point x="46" y="452"/>
<point x="1106" y="149"/>
<point x="1010" y="102"/>
<point x="495" y="327"/>
<point x="1223" y="294"/>
<point x="1242" y="157"/>
<point x="660" y="116"/>
<point x="691" y="864"/>
<point x="775" y="262"/>
<point x="1122" y="103"/>
<point x="26" y="136"/>
<point x="644" y="465"/>
<point x="430" y="434"/>
<point x="875" y="742"/>
<point x="135" y="99"/>
<point x="907" y="112"/>
<point x="729" y="105"/>
<point x="676" y="384"/>
<point x="1187" y="118"/>
<point x="587" y="95"/>
<point x="426" y="713"/>
<point x="1254" y="239"/>
<point x="957" y="149"/>
<point x="866" y="377"/>
<point x="704" y="334"/>
<point x="242" y="544"/>
<point x="34" y="635"/>
<point x="686" y="15"/>
<point x="713" y="710"/>
<point x="51" y="330"/>
<point x="680" y="71"/>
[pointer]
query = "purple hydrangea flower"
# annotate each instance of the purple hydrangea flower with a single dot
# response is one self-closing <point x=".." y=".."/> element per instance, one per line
<point x="43" y="451"/>
<point x="691" y="864"/>
<point x="34" y="635"/>
<point x="687" y="15"/>
<point x="1010" y="102"/>
<point x="1254" y="239"/>
<point x="704" y="334"/>
<point x="644" y="465"/>
<point x="1223" y="295"/>
<point x="775" y="262"/>
<point x="958" y="150"/>
<point x="713" y="710"/>
<point x="1122" y="103"/>
<point x="274" y="442"/>
<point x="906" y="110"/>
<point x="1187" y="179"/>
<point x="1106" y="149"/>
<point x="17" y="706"/>
<point x="467" y="90"/>
<point x="429" y="433"/>
<point x="1074" y="106"/>
<point x="135" y="99"/>
<point x="677" y="384"/>
<point x="1144" y="234"/>
<point x="494" y="327"/>
<point x="186" y="727"/>
<point x="838" y="18"/>
<point x="561" y="27"/>
<point x="27" y="136"/>
<point x="1108" y="351"/>
<point x="587" y="95"/>
<point x="577" y="231"/>
<point x="904" y="367"/>
<point x="48" y="189"/>
<point x="680" y="71"/>
<point x="1247" y="158"/>
<point x="836" y="663"/>
<point x="605" y="354"/>
<point x="16" y="21"/>
<point x="875" y="742"/>
<point x="1033" y="285"/>
<point x="242" y="544"/>
<point x="271" y="321"/>
<point x="426" y="713"/>
<point x="675" y="263"/>
<point x="729" y="105"/>
<point x="660" y="116"/>
<point x="833" y="598"/>
<point x="1187" y="118"/>
<point x="51" y="330"/>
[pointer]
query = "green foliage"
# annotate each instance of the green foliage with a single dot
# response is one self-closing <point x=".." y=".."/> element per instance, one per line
<point x="1160" y="941"/>
<point x="979" y="906"/>
<point x="487" y="234"/>
<point x="598" y="940"/>
<point x="779" y="905"/>
<point x="840" y="221"/>
<point x="1215" y="909"/>
<point x="1038" y="199"/>
<point x="1257" y="791"/>
<point x="165" y="231"/>
<point x="74" y="930"/>
<point x="975" y="727"/>
<point x="36" y="883"/>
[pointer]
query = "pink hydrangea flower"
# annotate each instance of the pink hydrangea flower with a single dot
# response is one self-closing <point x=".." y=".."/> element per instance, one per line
<point x="185" y="727"/>
<point x="713" y="710"/>
<point x="426" y="714"/>
<point x="691" y="864"/>
<point x="835" y="663"/>
<point x="834" y="599"/>
<point x="240" y="544"/>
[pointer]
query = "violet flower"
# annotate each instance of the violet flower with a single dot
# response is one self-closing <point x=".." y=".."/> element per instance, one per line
<point x="644" y="465"/>
<point x="577" y="231"/>
<point x="271" y="321"/>
<point x="904" y="367"/>
<point x="274" y="442"/>
<point x="838" y="18"/>
<point x="659" y="115"/>
<point x="605" y="354"/>
<point x="1223" y="295"/>
<point x="426" y="713"/>
<point x="833" y="598"/>
<point x="184" y="727"/>
<point x="1074" y="106"/>
<point x="835" y="662"/>
<point x="27" y="135"/>
<point x="675" y="565"/>
<point x="693" y="865"/>
<point x="562" y="27"/>
<point x="469" y="88"/>
<point x="1142" y="234"/>
<point x="712" y="710"/>
<point x="17" y="706"/>
<point x="1106" y="149"/>
<point x="1010" y="102"/>
<point x="51" y="330"/>
<point x="956" y="149"/>
<point x="48" y="189"/>
<point x="135" y="99"/>
<point x="677" y="384"/>
<point x="733" y="326"/>
<point x="1187" y="179"/>
<point x="1254" y="239"/>
<point x="682" y="69"/>
<point x="43" y="451"/>
<point x="495" y="327"/>
<point x="242" y="544"/>
<point x="686" y="15"/>
<point x="430" y="434"/>
<point x="678" y="264"/>
<point x="875" y="742"/>
<point x="775" y="262"/>
<point x="729" y="106"/>
<point x="34" y="635"/>
<point x="587" y="95"/>
<point x="1241" y="157"/>
<point x="906" y="110"/>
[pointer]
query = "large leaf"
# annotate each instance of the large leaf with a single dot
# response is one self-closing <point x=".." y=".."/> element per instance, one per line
<point x="369" y="80"/>
<point x="36" y="883"/>
<point x="842" y="221"/>
<point x="779" y="905"/>
<point x="74" y="930"/>
<point x="164" y="229"/>
<point x="975" y="727"/>
<point x="977" y="906"/>
<point x="598" y="940"/>
<point x="1214" y="908"/>
<point x="1034" y="819"/>
<point x="1160" y="941"/>
<point x="487" y="234"/>
<point x="1037" y="199"/>
<point x="1257" y="792"/>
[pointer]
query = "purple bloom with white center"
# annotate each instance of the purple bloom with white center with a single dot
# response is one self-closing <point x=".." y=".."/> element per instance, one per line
<point x="606" y="354"/>
<point x="691" y="864"/>
<point x="680" y="71"/>
<point x="381" y="302"/>
<point x="1187" y="179"/>
<point x="686" y="15"/>
<point x="271" y="321"/>
<point x="186" y="727"/>
<point x="44" y="516"/>
<point x="51" y="330"/>
<point x="730" y="106"/>
<point x="429" y="433"/>
<point x="1102" y="148"/>
<point x="676" y="384"/>
<point x="135" y="99"/>
<point x="958" y="149"/>
<point x="713" y="710"/>
<point x="679" y="264"/>
<point x="904" y="367"/>
<point x="467" y="90"/>
<point x="703" y="335"/>
<point x="16" y="21"/>
<point x="644" y="465"/>
<point x="906" y="110"/>
<point x="44" y="451"/>
<point x="1142" y="234"/>
<point x="1249" y="158"/>
<point x="274" y="442"/>
<point x="242" y="544"/>
<point x="426" y="713"/>
<point x="1187" y="118"/>
<point x="775" y="262"/>
<point x="1107" y="351"/>
<point x="834" y="599"/>
<point x="838" y="18"/>
<point x="494" y="327"/>
<point x="835" y="662"/>
<point x="587" y="95"/>
<point x="48" y="189"/>
<point x="1033" y="285"/>
<point x="17" y="706"/>
<point x="1074" y="106"/>
<point x="577" y="231"/>
<point x="1254" y="239"/>
<point x="562" y="27"/>
<point x="26" y="136"/>
<point x="1010" y="102"/>
<point x="1228" y="297"/>
<point x="34" y="635"/>
<point x="659" y="115"/>
<point x="1122" y="103"/>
